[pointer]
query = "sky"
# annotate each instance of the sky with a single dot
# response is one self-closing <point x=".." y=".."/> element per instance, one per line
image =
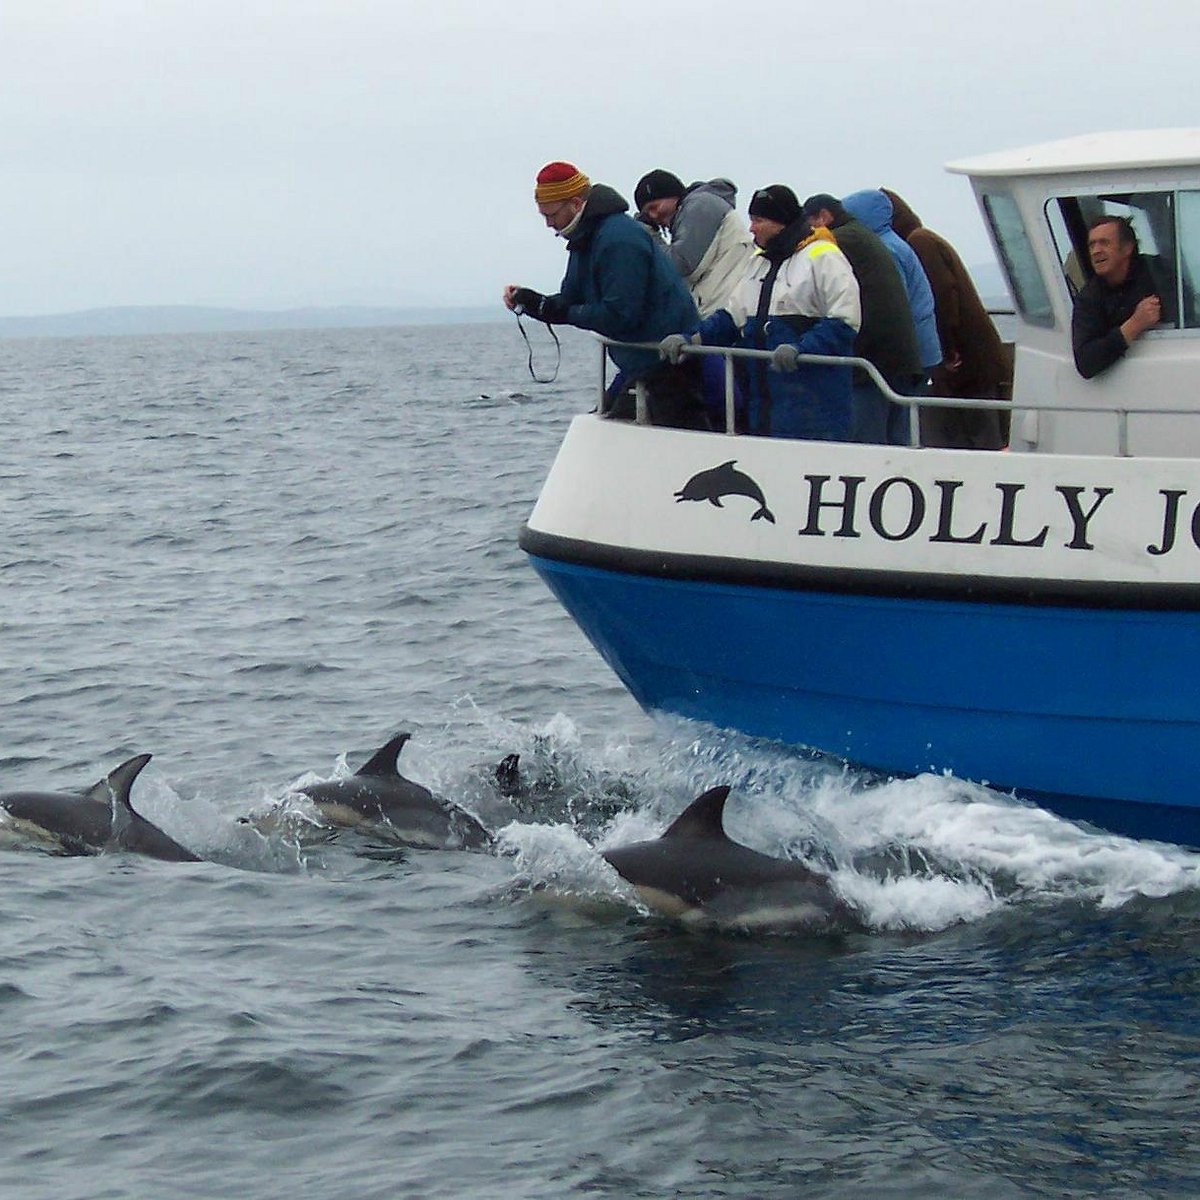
<point x="285" y="154"/>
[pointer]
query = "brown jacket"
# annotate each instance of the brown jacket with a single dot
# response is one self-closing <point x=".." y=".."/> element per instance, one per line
<point x="968" y="337"/>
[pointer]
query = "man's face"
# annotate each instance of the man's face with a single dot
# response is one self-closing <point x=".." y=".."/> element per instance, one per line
<point x="763" y="229"/>
<point x="1110" y="256"/>
<point x="558" y="214"/>
<point x="660" y="212"/>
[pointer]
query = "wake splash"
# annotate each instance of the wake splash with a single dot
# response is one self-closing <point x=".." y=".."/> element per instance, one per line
<point x="919" y="855"/>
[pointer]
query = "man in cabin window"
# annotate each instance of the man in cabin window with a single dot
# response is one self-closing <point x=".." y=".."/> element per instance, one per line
<point x="1118" y="304"/>
<point x="621" y="284"/>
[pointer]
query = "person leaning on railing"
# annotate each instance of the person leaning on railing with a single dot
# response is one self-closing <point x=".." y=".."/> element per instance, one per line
<point x="799" y="296"/>
<point x="973" y="363"/>
<point x="619" y="283"/>
<point x="887" y="337"/>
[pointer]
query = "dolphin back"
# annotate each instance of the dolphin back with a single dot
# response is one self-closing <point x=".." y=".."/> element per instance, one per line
<point x="130" y="830"/>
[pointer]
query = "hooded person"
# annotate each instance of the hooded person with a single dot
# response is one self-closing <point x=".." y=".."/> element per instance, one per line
<point x="874" y="210"/>
<point x="709" y="244"/>
<point x="974" y="363"/>
<point x="887" y="338"/>
<point x="799" y="296"/>
<point x="619" y="283"/>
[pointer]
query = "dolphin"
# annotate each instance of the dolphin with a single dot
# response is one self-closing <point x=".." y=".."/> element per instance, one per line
<point x="101" y="818"/>
<point x="720" y="481"/>
<point x="697" y="873"/>
<point x="377" y="795"/>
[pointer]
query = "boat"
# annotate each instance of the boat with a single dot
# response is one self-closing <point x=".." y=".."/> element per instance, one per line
<point x="1028" y="619"/>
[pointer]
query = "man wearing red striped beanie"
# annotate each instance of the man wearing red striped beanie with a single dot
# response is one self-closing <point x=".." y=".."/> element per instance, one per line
<point x="621" y="284"/>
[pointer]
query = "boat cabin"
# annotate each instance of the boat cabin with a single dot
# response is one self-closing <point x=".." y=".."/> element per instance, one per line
<point x="1037" y="203"/>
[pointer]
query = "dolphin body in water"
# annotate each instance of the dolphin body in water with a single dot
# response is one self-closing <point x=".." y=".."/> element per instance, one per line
<point x="697" y="873"/>
<point x="377" y="796"/>
<point x="99" y="819"/>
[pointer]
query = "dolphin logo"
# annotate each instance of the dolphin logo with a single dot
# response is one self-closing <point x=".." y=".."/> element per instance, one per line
<point x="697" y="873"/>
<point x="101" y="818"/>
<point x="720" y="481"/>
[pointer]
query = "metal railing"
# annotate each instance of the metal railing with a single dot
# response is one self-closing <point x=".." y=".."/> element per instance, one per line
<point x="913" y="404"/>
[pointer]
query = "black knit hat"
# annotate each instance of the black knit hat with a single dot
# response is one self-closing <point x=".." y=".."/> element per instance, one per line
<point x="656" y="185"/>
<point x="823" y="200"/>
<point x="776" y="203"/>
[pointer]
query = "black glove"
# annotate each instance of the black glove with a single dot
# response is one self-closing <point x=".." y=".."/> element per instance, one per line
<point x="553" y="310"/>
<point x="527" y="302"/>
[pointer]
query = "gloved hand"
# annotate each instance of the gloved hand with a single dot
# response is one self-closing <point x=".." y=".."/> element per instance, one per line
<point x="527" y="302"/>
<point x="671" y="347"/>
<point x="785" y="357"/>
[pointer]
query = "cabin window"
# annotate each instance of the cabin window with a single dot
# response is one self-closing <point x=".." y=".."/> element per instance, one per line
<point x="1189" y="258"/>
<point x="1017" y="258"/>
<point x="1154" y="217"/>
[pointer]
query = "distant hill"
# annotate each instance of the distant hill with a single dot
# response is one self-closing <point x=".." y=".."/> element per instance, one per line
<point x="181" y="318"/>
<point x="184" y="318"/>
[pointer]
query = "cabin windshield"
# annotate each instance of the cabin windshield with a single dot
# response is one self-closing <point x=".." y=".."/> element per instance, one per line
<point x="1020" y="262"/>
<point x="1167" y="224"/>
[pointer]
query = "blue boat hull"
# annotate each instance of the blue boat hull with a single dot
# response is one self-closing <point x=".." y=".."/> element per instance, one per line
<point x="1086" y="710"/>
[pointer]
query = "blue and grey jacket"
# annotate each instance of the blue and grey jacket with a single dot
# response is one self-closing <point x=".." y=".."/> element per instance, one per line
<point x="874" y="210"/>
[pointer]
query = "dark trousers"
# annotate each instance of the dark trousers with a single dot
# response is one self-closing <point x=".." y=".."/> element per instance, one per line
<point x="674" y="396"/>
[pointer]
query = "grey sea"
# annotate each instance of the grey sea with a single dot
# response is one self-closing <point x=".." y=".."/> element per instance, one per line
<point x="258" y="556"/>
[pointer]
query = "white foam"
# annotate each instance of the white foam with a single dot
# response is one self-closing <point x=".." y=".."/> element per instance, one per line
<point x="555" y="856"/>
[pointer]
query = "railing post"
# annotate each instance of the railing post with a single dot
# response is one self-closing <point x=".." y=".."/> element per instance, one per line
<point x="730" y="408"/>
<point x="643" y="406"/>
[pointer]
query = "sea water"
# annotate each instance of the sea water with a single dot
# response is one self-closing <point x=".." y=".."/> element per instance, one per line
<point x="256" y="557"/>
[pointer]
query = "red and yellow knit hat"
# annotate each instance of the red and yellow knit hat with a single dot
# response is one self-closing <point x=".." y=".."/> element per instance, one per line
<point x="559" y="181"/>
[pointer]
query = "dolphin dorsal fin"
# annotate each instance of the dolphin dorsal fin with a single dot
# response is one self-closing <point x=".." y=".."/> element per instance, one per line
<point x="118" y="782"/>
<point x="384" y="762"/>
<point x="703" y="817"/>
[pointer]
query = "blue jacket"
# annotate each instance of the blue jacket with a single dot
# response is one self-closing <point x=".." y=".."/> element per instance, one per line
<point x="811" y="402"/>
<point x="621" y="284"/>
<point x="874" y="210"/>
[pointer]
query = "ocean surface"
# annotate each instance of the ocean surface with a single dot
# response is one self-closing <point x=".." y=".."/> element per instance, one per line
<point x="256" y="557"/>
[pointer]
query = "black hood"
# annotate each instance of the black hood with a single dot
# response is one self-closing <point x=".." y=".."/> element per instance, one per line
<point x="603" y="201"/>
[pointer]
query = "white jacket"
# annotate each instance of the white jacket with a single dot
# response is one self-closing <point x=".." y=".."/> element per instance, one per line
<point x="814" y="282"/>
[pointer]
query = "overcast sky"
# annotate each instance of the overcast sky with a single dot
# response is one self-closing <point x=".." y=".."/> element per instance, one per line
<point x="278" y="154"/>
